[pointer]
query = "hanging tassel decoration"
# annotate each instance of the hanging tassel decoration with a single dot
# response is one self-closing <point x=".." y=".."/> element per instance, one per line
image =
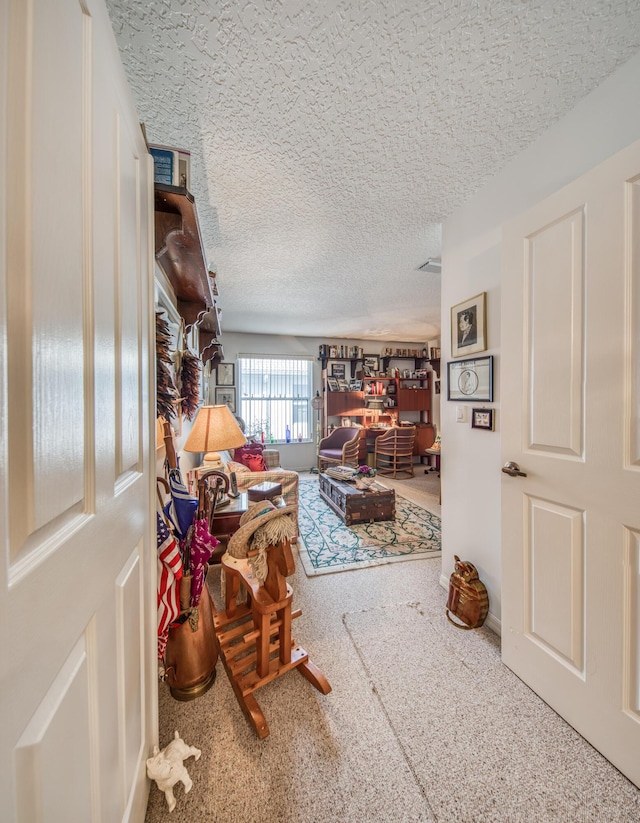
<point x="166" y="393"/>
<point x="190" y="384"/>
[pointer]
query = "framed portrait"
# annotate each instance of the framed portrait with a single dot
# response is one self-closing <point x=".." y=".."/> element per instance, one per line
<point x="337" y="370"/>
<point x="482" y="419"/>
<point x="226" y="397"/>
<point x="225" y="374"/>
<point x="371" y="365"/>
<point x="470" y="379"/>
<point x="355" y="385"/>
<point x="469" y="326"/>
<point x="343" y="385"/>
<point x="332" y="383"/>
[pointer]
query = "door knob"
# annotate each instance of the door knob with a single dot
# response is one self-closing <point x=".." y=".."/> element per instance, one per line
<point x="513" y="470"/>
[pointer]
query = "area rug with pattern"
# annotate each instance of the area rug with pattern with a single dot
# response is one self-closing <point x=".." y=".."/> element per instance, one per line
<point x="326" y="545"/>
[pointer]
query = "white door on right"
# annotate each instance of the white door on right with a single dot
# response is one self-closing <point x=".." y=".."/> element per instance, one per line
<point x="571" y="421"/>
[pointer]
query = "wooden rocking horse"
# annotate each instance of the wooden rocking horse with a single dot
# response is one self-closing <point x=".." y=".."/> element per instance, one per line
<point x="254" y="637"/>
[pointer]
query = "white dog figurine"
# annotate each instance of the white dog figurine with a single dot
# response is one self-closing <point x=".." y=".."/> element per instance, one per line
<point x="166" y="768"/>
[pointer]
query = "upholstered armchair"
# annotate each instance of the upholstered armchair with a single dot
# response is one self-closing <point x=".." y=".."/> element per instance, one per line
<point x="393" y="451"/>
<point x="340" y="447"/>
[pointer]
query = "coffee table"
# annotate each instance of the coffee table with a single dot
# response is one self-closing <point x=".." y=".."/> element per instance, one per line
<point x="355" y="506"/>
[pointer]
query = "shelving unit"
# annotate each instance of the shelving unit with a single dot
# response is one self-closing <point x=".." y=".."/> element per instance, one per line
<point x="180" y="254"/>
<point x="410" y="395"/>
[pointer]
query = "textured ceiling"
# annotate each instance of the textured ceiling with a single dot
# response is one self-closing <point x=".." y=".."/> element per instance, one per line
<point x="330" y="139"/>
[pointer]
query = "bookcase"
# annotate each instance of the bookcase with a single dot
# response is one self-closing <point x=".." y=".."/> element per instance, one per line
<point x="382" y="399"/>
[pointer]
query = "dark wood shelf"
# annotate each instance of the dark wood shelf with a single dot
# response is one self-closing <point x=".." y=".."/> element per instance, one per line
<point x="353" y="360"/>
<point x="179" y="251"/>
<point x="209" y="335"/>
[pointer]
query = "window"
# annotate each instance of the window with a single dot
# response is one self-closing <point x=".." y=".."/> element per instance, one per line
<point x="275" y="395"/>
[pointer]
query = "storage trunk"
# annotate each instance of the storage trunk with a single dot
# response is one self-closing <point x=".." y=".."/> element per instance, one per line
<point x="355" y="506"/>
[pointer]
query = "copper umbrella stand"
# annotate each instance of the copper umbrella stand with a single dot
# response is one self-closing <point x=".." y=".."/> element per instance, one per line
<point x="192" y="653"/>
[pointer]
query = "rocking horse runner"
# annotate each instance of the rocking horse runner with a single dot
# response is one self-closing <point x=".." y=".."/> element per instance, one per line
<point x="254" y="636"/>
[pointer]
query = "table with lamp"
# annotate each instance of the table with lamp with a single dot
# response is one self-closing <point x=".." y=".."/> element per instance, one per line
<point x="215" y="429"/>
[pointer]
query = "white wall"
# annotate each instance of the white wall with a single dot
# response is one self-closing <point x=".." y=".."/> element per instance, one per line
<point x="301" y="456"/>
<point x="600" y="125"/>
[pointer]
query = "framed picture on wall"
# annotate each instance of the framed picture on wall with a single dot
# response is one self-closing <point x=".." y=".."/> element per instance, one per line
<point x="468" y="326"/>
<point x="470" y="379"/>
<point x="226" y="397"/>
<point x="482" y="419"/>
<point x="337" y="370"/>
<point x="371" y="365"/>
<point x="225" y="374"/>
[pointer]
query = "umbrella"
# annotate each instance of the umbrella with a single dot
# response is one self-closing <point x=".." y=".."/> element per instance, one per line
<point x="169" y="574"/>
<point x="181" y="507"/>
<point x="202" y="542"/>
<point x="191" y="520"/>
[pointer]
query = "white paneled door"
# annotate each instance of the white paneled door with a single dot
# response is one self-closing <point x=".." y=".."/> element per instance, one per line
<point x="77" y="680"/>
<point x="571" y="421"/>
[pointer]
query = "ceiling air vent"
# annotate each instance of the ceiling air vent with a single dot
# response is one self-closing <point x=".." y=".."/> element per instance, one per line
<point x="432" y="265"/>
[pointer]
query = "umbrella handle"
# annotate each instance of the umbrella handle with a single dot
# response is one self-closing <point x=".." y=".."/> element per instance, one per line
<point x="208" y="497"/>
<point x="202" y="500"/>
<point x="172" y="457"/>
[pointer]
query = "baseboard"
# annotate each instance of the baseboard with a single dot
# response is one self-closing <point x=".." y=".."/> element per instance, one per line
<point x="492" y="622"/>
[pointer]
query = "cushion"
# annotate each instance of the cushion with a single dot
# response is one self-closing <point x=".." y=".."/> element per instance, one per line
<point x="249" y="449"/>
<point x="238" y="468"/>
<point x="255" y="462"/>
<point x="271" y="458"/>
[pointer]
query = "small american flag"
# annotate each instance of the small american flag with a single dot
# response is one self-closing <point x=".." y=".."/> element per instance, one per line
<point x="169" y="574"/>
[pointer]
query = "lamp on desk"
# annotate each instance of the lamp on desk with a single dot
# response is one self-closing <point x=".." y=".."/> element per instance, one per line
<point x="215" y="429"/>
<point x="375" y="405"/>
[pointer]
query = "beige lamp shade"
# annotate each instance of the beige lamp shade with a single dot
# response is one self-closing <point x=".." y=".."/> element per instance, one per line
<point x="214" y="429"/>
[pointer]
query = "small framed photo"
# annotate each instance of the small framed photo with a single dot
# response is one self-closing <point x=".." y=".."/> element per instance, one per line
<point x="343" y="385"/>
<point x="332" y="383"/>
<point x="225" y="374"/>
<point x="371" y="365"/>
<point x="482" y="419"/>
<point x="468" y="326"/>
<point x="470" y="379"/>
<point x="226" y="397"/>
<point x="355" y="385"/>
<point x="337" y="370"/>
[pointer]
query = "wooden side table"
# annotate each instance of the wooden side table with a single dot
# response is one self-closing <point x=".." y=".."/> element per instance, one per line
<point x="226" y="521"/>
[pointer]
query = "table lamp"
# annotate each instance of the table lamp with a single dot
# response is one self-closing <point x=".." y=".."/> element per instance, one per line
<point x="214" y="429"/>
<point x="375" y="405"/>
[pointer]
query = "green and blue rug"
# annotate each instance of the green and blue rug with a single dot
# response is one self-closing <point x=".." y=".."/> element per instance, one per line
<point x="326" y="545"/>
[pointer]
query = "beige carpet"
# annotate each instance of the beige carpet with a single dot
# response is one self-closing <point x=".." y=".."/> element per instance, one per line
<point x="424" y="723"/>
